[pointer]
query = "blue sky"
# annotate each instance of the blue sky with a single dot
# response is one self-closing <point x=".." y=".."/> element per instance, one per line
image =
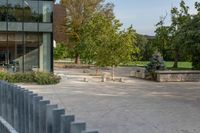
<point x="144" y="14"/>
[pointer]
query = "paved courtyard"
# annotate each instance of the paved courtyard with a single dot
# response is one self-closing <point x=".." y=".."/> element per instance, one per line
<point x="136" y="106"/>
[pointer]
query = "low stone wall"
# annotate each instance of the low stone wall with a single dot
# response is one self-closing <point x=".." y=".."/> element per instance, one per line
<point x="178" y="76"/>
<point x="138" y="73"/>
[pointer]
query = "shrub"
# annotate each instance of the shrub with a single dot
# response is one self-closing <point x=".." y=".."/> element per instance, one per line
<point x="156" y="63"/>
<point x="61" y="51"/>
<point x="31" y="77"/>
<point x="46" y="78"/>
<point x="21" y="77"/>
<point x="3" y="75"/>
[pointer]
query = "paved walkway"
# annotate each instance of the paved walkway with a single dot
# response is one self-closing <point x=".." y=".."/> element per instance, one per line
<point x="136" y="106"/>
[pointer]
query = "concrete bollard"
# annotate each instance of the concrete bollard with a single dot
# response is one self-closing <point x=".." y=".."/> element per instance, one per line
<point x="85" y="80"/>
<point x="49" y="116"/>
<point x="121" y="80"/>
<point x="36" y="100"/>
<point x="77" y="127"/>
<point x="42" y="115"/>
<point x="66" y="121"/>
<point x="57" y="119"/>
<point x="103" y="78"/>
<point x="30" y="111"/>
<point x="26" y="112"/>
<point x="90" y="132"/>
<point x="21" y="111"/>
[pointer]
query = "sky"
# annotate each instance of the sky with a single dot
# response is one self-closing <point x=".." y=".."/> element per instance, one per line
<point x="144" y="14"/>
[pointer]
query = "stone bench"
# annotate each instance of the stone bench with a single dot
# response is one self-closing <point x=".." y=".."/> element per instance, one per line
<point x="178" y="76"/>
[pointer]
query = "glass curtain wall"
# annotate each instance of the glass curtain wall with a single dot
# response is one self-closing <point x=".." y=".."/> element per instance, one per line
<point x="31" y="11"/>
<point x="45" y="11"/>
<point x="15" y="52"/>
<point x="31" y="55"/>
<point x="3" y="50"/>
<point x="26" y="35"/>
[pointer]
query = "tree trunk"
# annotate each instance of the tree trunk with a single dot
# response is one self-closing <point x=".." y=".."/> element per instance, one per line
<point x="176" y="59"/>
<point x="113" y="72"/>
<point x="97" y="71"/>
<point x="77" y="59"/>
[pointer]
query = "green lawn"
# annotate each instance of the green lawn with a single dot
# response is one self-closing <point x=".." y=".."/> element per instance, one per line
<point x="168" y="64"/>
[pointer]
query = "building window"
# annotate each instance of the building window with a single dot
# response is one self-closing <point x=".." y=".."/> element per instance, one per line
<point x="3" y="8"/>
<point x="31" y="55"/>
<point x="30" y="11"/>
<point x="15" y="52"/>
<point x="3" y="50"/>
<point x="45" y="11"/>
<point x="15" y="10"/>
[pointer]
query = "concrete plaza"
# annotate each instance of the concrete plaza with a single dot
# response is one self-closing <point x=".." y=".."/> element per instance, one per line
<point x="136" y="106"/>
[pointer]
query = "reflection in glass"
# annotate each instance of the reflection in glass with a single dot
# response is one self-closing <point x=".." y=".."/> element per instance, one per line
<point x="3" y="49"/>
<point x="15" y="52"/>
<point x="31" y="51"/>
<point x="3" y="10"/>
<point x="30" y="11"/>
<point x="15" y="10"/>
<point x="45" y="11"/>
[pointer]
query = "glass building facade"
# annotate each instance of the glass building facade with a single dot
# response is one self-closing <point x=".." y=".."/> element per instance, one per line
<point x="26" y="37"/>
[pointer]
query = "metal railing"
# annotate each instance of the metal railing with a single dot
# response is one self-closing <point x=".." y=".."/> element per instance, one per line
<point x="22" y="111"/>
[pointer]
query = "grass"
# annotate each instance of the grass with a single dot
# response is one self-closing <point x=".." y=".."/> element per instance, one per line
<point x="68" y="63"/>
<point x="168" y="64"/>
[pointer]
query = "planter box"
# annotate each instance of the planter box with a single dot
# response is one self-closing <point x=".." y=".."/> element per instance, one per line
<point x="178" y="76"/>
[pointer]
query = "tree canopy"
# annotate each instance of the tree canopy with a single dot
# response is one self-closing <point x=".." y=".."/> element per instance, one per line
<point x="105" y="44"/>
<point x="182" y="36"/>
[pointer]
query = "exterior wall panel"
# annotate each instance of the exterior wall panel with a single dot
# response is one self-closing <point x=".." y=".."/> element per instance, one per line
<point x="3" y="26"/>
<point x="31" y="27"/>
<point x="45" y="27"/>
<point x="15" y="26"/>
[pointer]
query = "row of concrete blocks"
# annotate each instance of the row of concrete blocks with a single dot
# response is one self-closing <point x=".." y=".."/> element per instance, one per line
<point x="22" y="111"/>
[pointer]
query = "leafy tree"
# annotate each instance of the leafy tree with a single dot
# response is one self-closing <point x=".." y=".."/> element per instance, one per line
<point x="179" y="18"/>
<point x="141" y="43"/>
<point x="105" y="44"/>
<point x="162" y="38"/>
<point x="171" y="37"/>
<point x="61" y="51"/>
<point x="78" y="13"/>
<point x="145" y="46"/>
<point x="191" y="35"/>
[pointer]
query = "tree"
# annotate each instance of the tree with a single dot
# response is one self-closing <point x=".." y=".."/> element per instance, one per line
<point x="145" y="46"/>
<point x="179" y="18"/>
<point x="141" y="43"/>
<point x="191" y="35"/>
<point x="162" y="38"/>
<point x="171" y="37"/>
<point x="104" y="42"/>
<point x="61" y="51"/>
<point x="78" y="12"/>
